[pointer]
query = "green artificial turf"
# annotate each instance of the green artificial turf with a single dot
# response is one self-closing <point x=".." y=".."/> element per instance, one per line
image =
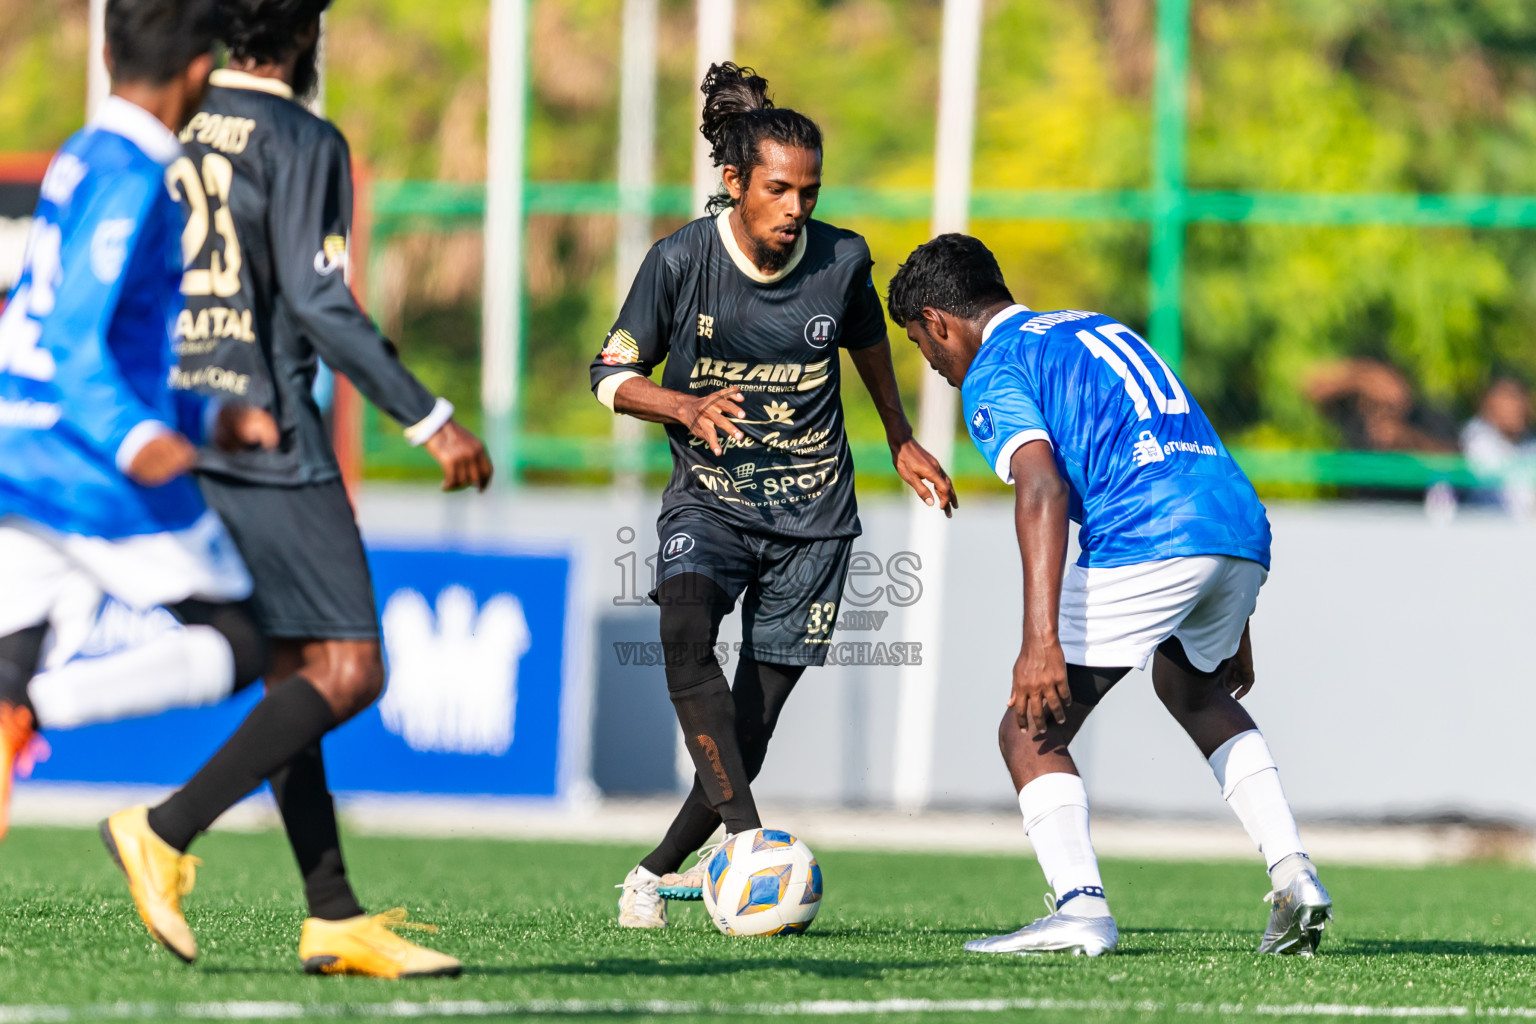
<point x="534" y="922"/>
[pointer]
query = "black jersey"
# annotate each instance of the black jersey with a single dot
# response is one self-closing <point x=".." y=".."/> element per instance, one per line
<point x="267" y="188"/>
<point x="701" y="305"/>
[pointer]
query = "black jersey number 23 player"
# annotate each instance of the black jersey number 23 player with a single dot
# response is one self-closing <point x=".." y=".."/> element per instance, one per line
<point x="749" y="308"/>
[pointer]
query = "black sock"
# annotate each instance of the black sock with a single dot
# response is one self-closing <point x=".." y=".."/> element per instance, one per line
<point x="309" y="817"/>
<point x="696" y="821"/>
<point x="759" y="694"/>
<point x="291" y="717"/>
<point x="692" y="606"/>
<point x="19" y="653"/>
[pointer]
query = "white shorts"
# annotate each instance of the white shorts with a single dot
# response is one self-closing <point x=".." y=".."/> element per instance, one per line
<point x="45" y="571"/>
<point x="1116" y="617"/>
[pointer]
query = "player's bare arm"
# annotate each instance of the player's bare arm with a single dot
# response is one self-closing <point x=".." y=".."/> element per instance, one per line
<point x="1040" y="691"/>
<point x="707" y="417"/>
<point x="921" y="471"/>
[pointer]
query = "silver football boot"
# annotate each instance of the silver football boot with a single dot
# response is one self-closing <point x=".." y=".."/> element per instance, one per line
<point x="1060" y="931"/>
<point x="1298" y="914"/>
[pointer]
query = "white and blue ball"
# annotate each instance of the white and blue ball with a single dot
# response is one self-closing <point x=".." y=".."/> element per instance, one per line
<point x="765" y="882"/>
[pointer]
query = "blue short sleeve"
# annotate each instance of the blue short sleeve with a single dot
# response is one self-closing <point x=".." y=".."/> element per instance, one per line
<point x="1001" y="413"/>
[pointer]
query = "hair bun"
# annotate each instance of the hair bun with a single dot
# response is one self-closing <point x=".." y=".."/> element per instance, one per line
<point x="729" y="91"/>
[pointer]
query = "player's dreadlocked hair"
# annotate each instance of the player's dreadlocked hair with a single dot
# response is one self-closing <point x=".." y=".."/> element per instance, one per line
<point x="955" y="273"/>
<point x="154" y="40"/>
<point x="267" y="31"/>
<point x="738" y="116"/>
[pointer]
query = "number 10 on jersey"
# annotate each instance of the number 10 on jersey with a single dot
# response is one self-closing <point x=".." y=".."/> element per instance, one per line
<point x="1104" y="345"/>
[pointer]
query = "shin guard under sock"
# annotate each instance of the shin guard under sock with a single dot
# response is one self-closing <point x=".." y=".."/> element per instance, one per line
<point x="291" y="717"/>
<point x="759" y="695"/>
<point x="707" y="714"/>
<point x="1250" y="784"/>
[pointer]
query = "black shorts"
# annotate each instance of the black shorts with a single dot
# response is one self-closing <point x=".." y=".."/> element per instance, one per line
<point x="792" y="587"/>
<point x="305" y="555"/>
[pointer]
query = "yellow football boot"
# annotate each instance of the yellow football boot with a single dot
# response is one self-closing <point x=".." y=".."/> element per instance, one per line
<point x="17" y="730"/>
<point x="368" y="945"/>
<point x="158" y="877"/>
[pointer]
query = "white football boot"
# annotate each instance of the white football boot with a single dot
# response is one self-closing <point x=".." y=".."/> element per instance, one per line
<point x="689" y="885"/>
<point x="640" y="905"/>
<point x="1060" y="931"/>
<point x="1298" y="913"/>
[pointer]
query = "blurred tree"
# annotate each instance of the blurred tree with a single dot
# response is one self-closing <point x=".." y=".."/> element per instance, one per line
<point x="1374" y="96"/>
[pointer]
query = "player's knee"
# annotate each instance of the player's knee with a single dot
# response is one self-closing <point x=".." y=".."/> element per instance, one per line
<point x="353" y="678"/>
<point x="1007" y="733"/>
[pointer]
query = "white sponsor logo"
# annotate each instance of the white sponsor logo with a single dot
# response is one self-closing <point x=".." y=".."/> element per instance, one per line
<point x="453" y="676"/>
<point x="63" y="178"/>
<point x="1147" y="449"/>
<point x="109" y="248"/>
<point x="29" y="414"/>
<point x="678" y="544"/>
<point x="819" y="330"/>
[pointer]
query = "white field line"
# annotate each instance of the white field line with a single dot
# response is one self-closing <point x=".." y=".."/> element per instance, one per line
<point x="253" y="1010"/>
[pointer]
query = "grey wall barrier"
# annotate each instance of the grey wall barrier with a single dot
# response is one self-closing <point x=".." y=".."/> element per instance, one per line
<point x="1392" y="655"/>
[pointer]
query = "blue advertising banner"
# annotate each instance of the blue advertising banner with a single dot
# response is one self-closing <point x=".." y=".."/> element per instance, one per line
<point x="475" y="648"/>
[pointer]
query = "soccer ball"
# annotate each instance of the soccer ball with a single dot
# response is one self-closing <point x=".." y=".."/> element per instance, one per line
<point x="765" y="882"/>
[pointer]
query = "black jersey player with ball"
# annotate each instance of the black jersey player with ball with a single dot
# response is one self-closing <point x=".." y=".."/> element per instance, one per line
<point x="749" y="307"/>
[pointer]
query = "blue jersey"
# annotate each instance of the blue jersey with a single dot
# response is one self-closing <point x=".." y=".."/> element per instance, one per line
<point x="1149" y="478"/>
<point x="85" y="340"/>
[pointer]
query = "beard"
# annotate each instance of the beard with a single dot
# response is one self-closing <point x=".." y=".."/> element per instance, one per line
<point x="306" y="73"/>
<point x="768" y="258"/>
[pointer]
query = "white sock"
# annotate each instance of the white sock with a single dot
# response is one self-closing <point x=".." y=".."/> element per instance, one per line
<point x="1250" y="784"/>
<point x="185" y="668"/>
<point x="1055" y="809"/>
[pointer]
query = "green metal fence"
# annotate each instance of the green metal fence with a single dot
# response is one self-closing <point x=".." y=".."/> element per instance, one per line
<point x="1167" y="206"/>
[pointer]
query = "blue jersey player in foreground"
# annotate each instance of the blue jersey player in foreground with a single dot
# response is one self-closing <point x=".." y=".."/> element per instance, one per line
<point x="94" y="445"/>
<point x="1087" y="423"/>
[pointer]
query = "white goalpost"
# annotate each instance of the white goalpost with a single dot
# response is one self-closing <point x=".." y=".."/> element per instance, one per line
<point x="917" y="696"/>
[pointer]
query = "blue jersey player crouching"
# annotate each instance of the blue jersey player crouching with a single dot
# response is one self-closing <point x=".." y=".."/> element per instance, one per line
<point x="1087" y="423"/>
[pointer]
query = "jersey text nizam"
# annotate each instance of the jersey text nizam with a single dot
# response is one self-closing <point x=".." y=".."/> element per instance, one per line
<point x="699" y="304"/>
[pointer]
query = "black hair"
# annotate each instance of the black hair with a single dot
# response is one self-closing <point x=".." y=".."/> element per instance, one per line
<point x="267" y="31"/>
<point x="954" y="273"/>
<point x="153" y="41"/>
<point x="738" y="116"/>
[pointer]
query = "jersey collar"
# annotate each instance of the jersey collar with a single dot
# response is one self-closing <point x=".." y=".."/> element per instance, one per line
<point x="997" y="321"/>
<point x="138" y="126"/>
<point x="745" y="264"/>
<point x="229" y="78"/>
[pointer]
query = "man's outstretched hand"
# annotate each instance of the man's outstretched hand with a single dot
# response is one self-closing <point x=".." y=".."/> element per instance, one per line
<point x="462" y="456"/>
<point x="920" y="469"/>
<point x="241" y="427"/>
